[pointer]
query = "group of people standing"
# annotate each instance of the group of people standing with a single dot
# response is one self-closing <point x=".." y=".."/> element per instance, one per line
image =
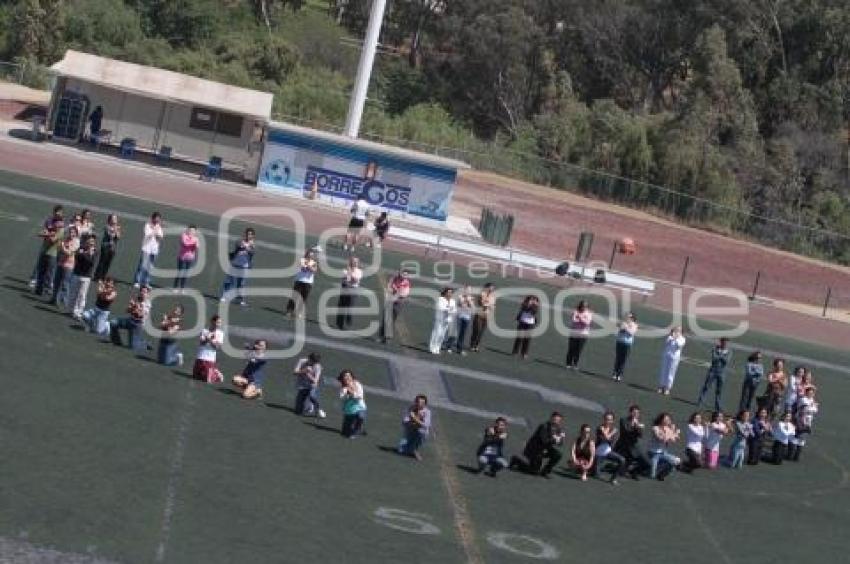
<point x="71" y="256"/>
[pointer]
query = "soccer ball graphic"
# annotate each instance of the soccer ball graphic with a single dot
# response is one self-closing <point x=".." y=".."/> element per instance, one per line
<point x="277" y="172"/>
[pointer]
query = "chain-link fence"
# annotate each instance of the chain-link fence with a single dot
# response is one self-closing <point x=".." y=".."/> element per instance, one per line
<point x="637" y="194"/>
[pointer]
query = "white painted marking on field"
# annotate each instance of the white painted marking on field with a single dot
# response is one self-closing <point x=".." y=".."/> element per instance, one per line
<point x="174" y="473"/>
<point x="405" y="521"/>
<point x="13" y="216"/>
<point x="342" y="261"/>
<point x="12" y="550"/>
<point x="523" y="545"/>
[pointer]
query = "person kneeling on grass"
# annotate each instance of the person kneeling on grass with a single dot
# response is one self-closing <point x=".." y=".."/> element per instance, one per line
<point x="353" y="405"/>
<point x="417" y="424"/>
<point x="490" y="452"/>
<point x="308" y="374"/>
<point x="542" y="445"/>
<point x="250" y="381"/>
<point x="581" y="455"/>
<point x="138" y="309"/>
<point x="211" y="340"/>
<point x="96" y="319"/>
<point x="167" y="352"/>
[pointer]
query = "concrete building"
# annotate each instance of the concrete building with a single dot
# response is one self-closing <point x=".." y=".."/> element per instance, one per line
<point x="195" y="118"/>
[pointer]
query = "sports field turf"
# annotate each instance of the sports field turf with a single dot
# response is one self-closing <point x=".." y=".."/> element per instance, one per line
<point x="116" y="458"/>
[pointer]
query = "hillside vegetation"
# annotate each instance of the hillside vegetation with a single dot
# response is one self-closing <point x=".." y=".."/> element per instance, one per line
<point x="739" y="109"/>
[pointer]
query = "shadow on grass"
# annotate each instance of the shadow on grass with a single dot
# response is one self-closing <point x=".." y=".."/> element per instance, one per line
<point x="564" y="473"/>
<point x="468" y="469"/>
<point x="282" y="407"/>
<point x="183" y="374"/>
<point x="319" y="427"/>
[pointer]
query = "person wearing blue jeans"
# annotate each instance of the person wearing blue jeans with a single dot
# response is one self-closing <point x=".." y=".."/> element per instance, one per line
<point x="138" y="310"/>
<point x="465" y="308"/>
<point x="752" y="378"/>
<point x="417" y="425"/>
<point x="167" y="352"/>
<point x="743" y="433"/>
<point x="151" y="240"/>
<point x="720" y="357"/>
<point x="241" y="260"/>
<point x="308" y="374"/>
<point x="664" y="433"/>
<point x="96" y="319"/>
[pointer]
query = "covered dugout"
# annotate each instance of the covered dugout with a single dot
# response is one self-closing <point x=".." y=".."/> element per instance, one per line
<point x="195" y="118"/>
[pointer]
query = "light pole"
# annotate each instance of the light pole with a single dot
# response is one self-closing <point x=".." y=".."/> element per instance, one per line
<point x="364" y="69"/>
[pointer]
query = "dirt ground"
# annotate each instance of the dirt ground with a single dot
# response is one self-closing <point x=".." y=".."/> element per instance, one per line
<point x="550" y="221"/>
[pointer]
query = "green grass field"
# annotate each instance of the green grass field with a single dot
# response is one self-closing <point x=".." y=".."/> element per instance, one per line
<point x="117" y="458"/>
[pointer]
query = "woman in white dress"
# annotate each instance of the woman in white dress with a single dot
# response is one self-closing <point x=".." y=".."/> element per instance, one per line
<point x="670" y="358"/>
<point x="444" y="317"/>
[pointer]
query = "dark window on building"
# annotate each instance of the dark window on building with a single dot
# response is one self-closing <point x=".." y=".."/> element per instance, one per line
<point x="202" y="118"/>
<point x="229" y="124"/>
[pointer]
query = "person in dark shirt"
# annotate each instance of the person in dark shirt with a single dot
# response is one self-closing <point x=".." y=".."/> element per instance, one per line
<point x="631" y="431"/>
<point x="108" y="246"/>
<point x="720" y="357"/>
<point x="542" y="446"/>
<point x="250" y="381"/>
<point x="490" y="452"/>
<point x="96" y="123"/>
<point x="84" y="262"/>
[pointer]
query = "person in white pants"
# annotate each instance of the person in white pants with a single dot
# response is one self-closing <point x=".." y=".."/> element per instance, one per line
<point x="670" y="360"/>
<point x="84" y="263"/>
<point x="445" y="316"/>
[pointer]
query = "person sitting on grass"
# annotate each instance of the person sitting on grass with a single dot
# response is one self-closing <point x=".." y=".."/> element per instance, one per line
<point x="490" y="453"/>
<point x="782" y="432"/>
<point x="694" y="440"/>
<point x="212" y="338"/>
<point x="250" y="380"/>
<point x="664" y="434"/>
<point x="353" y="405"/>
<point x="761" y="430"/>
<point x="167" y="352"/>
<point x="308" y="373"/>
<point x="581" y="455"/>
<point x="96" y="319"/>
<point x="743" y="431"/>
<point x="805" y="412"/>
<point x="416" y="424"/>
<point x="138" y="310"/>
<point x="717" y="429"/>
<point x="542" y="447"/>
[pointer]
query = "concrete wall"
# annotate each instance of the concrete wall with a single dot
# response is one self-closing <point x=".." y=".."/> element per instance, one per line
<point x="154" y="123"/>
